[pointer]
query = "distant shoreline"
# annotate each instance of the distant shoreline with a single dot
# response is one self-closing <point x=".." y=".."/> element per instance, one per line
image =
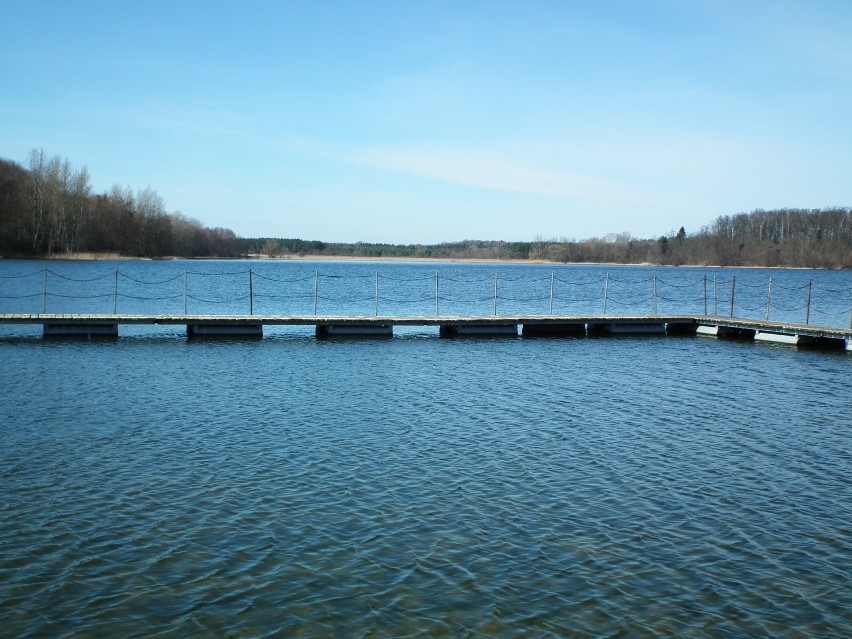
<point x="484" y="260"/>
<point x="358" y="258"/>
<point x="104" y="257"/>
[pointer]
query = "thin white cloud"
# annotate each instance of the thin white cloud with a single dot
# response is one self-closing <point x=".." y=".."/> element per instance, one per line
<point x="510" y="170"/>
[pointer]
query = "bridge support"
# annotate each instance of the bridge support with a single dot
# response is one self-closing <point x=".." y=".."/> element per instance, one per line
<point x="553" y="329"/>
<point x="83" y="330"/>
<point x="827" y="343"/>
<point x="681" y="328"/>
<point x="802" y="341"/>
<point x="354" y="330"/>
<point x="224" y="329"/>
<point x="485" y="329"/>
<point x="730" y="332"/>
<point x="627" y="328"/>
<point x="776" y="338"/>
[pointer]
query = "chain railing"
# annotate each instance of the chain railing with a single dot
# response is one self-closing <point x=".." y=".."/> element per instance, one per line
<point x="249" y="292"/>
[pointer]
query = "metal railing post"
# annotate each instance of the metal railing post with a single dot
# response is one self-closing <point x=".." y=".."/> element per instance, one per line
<point x="808" y="306"/>
<point x="606" y="292"/>
<point x="733" y="290"/>
<point x="495" y="293"/>
<point x="437" y="307"/>
<point x="551" y="293"/>
<point x="705" y="295"/>
<point x="251" y="294"/>
<point x="185" y="285"/>
<point x="377" y="294"/>
<point x="115" y="295"/>
<point x="768" y="299"/>
<point x="44" y="301"/>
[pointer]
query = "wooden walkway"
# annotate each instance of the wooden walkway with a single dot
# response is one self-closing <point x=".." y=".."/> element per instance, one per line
<point x="70" y="325"/>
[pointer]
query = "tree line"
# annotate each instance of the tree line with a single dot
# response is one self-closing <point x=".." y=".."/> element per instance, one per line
<point x="818" y="238"/>
<point x="793" y="238"/>
<point x="47" y="208"/>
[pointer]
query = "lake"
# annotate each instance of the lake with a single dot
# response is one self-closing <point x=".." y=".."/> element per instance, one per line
<point x="418" y="486"/>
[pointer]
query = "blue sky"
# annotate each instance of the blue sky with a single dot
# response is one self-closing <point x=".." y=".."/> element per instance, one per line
<point x="436" y="121"/>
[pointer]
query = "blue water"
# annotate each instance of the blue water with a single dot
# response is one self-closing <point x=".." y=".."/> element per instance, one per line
<point x="591" y="487"/>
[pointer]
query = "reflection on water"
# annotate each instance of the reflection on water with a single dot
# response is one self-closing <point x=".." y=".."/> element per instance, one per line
<point x="424" y="487"/>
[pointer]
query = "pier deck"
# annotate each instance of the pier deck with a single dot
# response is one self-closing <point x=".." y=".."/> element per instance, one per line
<point x="88" y="325"/>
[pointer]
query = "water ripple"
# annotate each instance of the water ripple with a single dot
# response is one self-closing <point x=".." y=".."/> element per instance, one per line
<point x="494" y="488"/>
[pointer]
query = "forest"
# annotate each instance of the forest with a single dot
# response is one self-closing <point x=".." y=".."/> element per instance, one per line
<point x="48" y="209"/>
